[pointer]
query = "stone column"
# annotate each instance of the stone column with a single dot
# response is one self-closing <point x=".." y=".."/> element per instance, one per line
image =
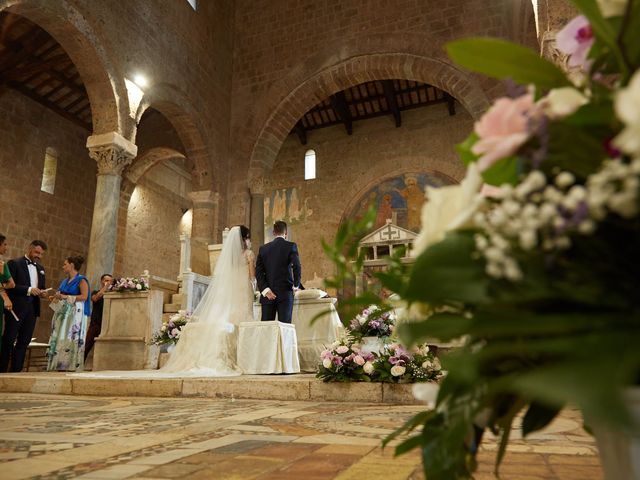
<point x="205" y="205"/>
<point x="113" y="153"/>
<point x="185" y="254"/>
<point x="257" y="213"/>
<point x="551" y="16"/>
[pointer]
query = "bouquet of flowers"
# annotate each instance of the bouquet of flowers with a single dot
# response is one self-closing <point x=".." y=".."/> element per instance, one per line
<point x="345" y="362"/>
<point x="373" y="321"/>
<point x="130" y="284"/>
<point x="542" y="268"/>
<point x="170" y="331"/>
<point x="396" y="364"/>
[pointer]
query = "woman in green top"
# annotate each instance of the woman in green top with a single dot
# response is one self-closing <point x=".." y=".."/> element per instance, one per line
<point x="5" y="282"/>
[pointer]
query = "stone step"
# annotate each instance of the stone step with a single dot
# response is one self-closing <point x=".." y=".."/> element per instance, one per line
<point x="177" y="298"/>
<point x="171" y="307"/>
<point x="165" y="317"/>
<point x="304" y="387"/>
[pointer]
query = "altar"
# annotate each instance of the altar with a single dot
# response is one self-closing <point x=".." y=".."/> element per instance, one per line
<point x="312" y="339"/>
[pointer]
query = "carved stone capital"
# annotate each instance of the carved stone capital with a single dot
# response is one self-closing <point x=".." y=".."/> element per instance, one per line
<point x="204" y="198"/>
<point x="256" y="185"/>
<point x="112" y="152"/>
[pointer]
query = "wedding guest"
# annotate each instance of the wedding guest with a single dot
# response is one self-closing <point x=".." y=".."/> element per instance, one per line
<point x="29" y="279"/>
<point x="5" y="282"/>
<point x="72" y="307"/>
<point x="95" y="325"/>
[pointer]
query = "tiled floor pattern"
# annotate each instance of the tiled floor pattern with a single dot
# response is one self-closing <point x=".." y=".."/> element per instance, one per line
<point x="60" y="437"/>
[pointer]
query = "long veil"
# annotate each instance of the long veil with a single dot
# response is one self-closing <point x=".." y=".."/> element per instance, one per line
<point x="207" y="344"/>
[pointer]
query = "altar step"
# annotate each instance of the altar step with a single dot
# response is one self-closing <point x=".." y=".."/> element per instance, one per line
<point x="304" y="387"/>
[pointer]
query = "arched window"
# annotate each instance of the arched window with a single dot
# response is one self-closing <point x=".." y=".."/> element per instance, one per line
<point x="49" y="171"/>
<point x="310" y="165"/>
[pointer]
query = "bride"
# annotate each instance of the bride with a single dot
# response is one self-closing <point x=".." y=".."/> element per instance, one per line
<point x="207" y="343"/>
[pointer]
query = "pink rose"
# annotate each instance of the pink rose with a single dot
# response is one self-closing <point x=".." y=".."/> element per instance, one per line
<point x="503" y="129"/>
<point x="358" y="360"/>
<point x="575" y="39"/>
<point x="342" y="349"/>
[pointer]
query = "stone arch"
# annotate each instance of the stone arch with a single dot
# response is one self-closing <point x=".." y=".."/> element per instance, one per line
<point x="82" y="41"/>
<point x="357" y="196"/>
<point x="143" y="163"/>
<point x="408" y="56"/>
<point x="180" y="112"/>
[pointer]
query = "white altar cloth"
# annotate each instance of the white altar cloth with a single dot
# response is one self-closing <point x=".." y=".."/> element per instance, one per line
<point x="312" y="339"/>
<point x="267" y="347"/>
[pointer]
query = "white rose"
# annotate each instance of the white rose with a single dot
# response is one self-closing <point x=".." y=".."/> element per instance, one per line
<point x="426" y="392"/>
<point x="448" y="208"/>
<point x="627" y="106"/>
<point x="326" y="363"/>
<point x="427" y="364"/>
<point x="397" y="370"/>
<point x="163" y="328"/>
<point x="561" y="102"/>
<point x="368" y="368"/>
<point x="138" y="287"/>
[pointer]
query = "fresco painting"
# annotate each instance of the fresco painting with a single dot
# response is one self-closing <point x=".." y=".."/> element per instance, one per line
<point x="285" y="204"/>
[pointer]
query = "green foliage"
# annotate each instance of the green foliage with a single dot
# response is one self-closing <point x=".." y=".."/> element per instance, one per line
<point x="501" y="59"/>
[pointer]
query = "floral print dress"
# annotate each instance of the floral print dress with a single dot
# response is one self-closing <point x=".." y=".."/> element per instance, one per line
<point x="69" y="329"/>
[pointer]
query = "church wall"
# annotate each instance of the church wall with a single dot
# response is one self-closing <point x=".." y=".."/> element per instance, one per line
<point x="275" y="39"/>
<point x="62" y="220"/>
<point x="348" y="166"/>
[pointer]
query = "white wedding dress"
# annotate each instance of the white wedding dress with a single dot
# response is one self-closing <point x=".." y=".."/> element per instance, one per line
<point x="207" y="345"/>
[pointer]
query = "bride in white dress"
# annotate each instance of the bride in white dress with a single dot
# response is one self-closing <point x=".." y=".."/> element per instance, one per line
<point x="207" y="344"/>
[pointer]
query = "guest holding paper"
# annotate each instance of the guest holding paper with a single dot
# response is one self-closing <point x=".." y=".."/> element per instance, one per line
<point x="72" y="307"/>
<point x="5" y="281"/>
<point x="29" y="279"/>
<point x="95" y="325"/>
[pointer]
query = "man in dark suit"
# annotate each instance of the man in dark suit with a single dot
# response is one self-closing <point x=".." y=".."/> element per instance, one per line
<point x="278" y="275"/>
<point x="28" y="276"/>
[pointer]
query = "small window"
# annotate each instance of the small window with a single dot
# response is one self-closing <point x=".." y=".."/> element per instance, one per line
<point x="49" y="171"/>
<point x="310" y="165"/>
<point x="193" y="3"/>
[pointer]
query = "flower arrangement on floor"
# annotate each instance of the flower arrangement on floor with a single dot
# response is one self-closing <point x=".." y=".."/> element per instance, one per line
<point x="533" y="259"/>
<point x="130" y="284"/>
<point x="170" y="331"/>
<point x="373" y="321"/>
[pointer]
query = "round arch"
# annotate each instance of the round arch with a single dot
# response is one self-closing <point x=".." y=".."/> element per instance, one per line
<point x="175" y="106"/>
<point x="81" y="41"/>
<point x="416" y="57"/>
<point x="150" y="158"/>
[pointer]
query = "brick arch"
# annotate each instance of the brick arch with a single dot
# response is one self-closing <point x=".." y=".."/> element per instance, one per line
<point x="357" y="196"/>
<point x="82" y="41"/>
<point x="148" y="159"/>
<point x="176" y="107"/>
<point x="415" y="57"/>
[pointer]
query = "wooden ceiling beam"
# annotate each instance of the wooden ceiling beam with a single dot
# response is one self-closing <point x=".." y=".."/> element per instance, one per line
<point x="50" y="105"/>
<point x="339" y="104"/>
<point x="37" y="67"/>
<point x="451" y="104"/>
<point x="390" y="95"/>
<point x="22" y="51"/>
<point x="301" y="132"/>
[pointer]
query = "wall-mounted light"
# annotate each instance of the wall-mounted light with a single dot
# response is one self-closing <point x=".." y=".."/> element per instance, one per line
<point x="140" y="80"/>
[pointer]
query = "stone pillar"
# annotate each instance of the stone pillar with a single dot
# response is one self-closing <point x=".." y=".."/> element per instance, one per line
<point x="205" y="206"/>
<point x="185" y="254"/>
<point x="551" y="16"/>
<point x="257" y="213"/>
<point x="113" y="153"/>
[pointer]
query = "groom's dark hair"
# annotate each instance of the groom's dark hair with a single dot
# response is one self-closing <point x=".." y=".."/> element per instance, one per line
<point x="279" y="227"/>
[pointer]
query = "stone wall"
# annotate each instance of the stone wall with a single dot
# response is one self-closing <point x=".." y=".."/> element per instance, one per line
<point x="348" y="166"/>
<point x="63" y="219"/>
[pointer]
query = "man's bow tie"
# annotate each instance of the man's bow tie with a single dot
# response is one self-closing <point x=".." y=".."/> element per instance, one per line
<point x="29" y="262"/>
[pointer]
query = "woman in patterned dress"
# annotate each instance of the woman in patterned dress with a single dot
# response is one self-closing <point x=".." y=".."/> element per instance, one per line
<point x="5" y="282"/>
<point x="73" y="307"/>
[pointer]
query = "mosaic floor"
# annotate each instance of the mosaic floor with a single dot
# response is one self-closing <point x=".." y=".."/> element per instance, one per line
<point x="60" y="437"/>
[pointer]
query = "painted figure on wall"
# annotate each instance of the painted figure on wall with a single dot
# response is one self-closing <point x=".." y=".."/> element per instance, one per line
<point x="400" y="198"/>
<point x="287" y="205"/>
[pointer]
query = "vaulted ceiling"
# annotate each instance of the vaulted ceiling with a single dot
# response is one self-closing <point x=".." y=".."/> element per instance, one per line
<point x="33" y="63"/>
<point x="369" y="100"/>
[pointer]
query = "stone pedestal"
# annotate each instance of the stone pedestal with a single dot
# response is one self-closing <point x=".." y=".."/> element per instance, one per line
<point x="129" y="321"/>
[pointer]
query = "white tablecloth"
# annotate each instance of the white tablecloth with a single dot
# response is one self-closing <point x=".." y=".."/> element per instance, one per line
<point x="312" y="339"/>
<point x="267" y="347"/>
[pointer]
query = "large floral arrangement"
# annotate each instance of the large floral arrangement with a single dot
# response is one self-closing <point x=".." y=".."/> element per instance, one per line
<point x="130" y="284"/>
<point x="169" y="332"/>
<point x="345" y="361"/>
<point x="373" y="321"/>
<point x="533" y="258"/>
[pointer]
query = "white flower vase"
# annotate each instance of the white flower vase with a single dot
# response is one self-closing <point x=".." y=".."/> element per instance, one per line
<point x="371" y="344"/>
<point x="620" y="451"/>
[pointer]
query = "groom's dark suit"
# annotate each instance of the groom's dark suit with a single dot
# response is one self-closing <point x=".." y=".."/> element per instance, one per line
<point x="278" y="268"/>
<point x="27" y="308"/>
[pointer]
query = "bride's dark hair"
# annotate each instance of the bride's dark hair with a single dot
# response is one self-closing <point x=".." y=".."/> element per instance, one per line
<point x="245" y="233"/>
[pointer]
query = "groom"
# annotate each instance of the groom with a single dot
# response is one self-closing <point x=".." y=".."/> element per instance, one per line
<point x="278" y="275"/>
